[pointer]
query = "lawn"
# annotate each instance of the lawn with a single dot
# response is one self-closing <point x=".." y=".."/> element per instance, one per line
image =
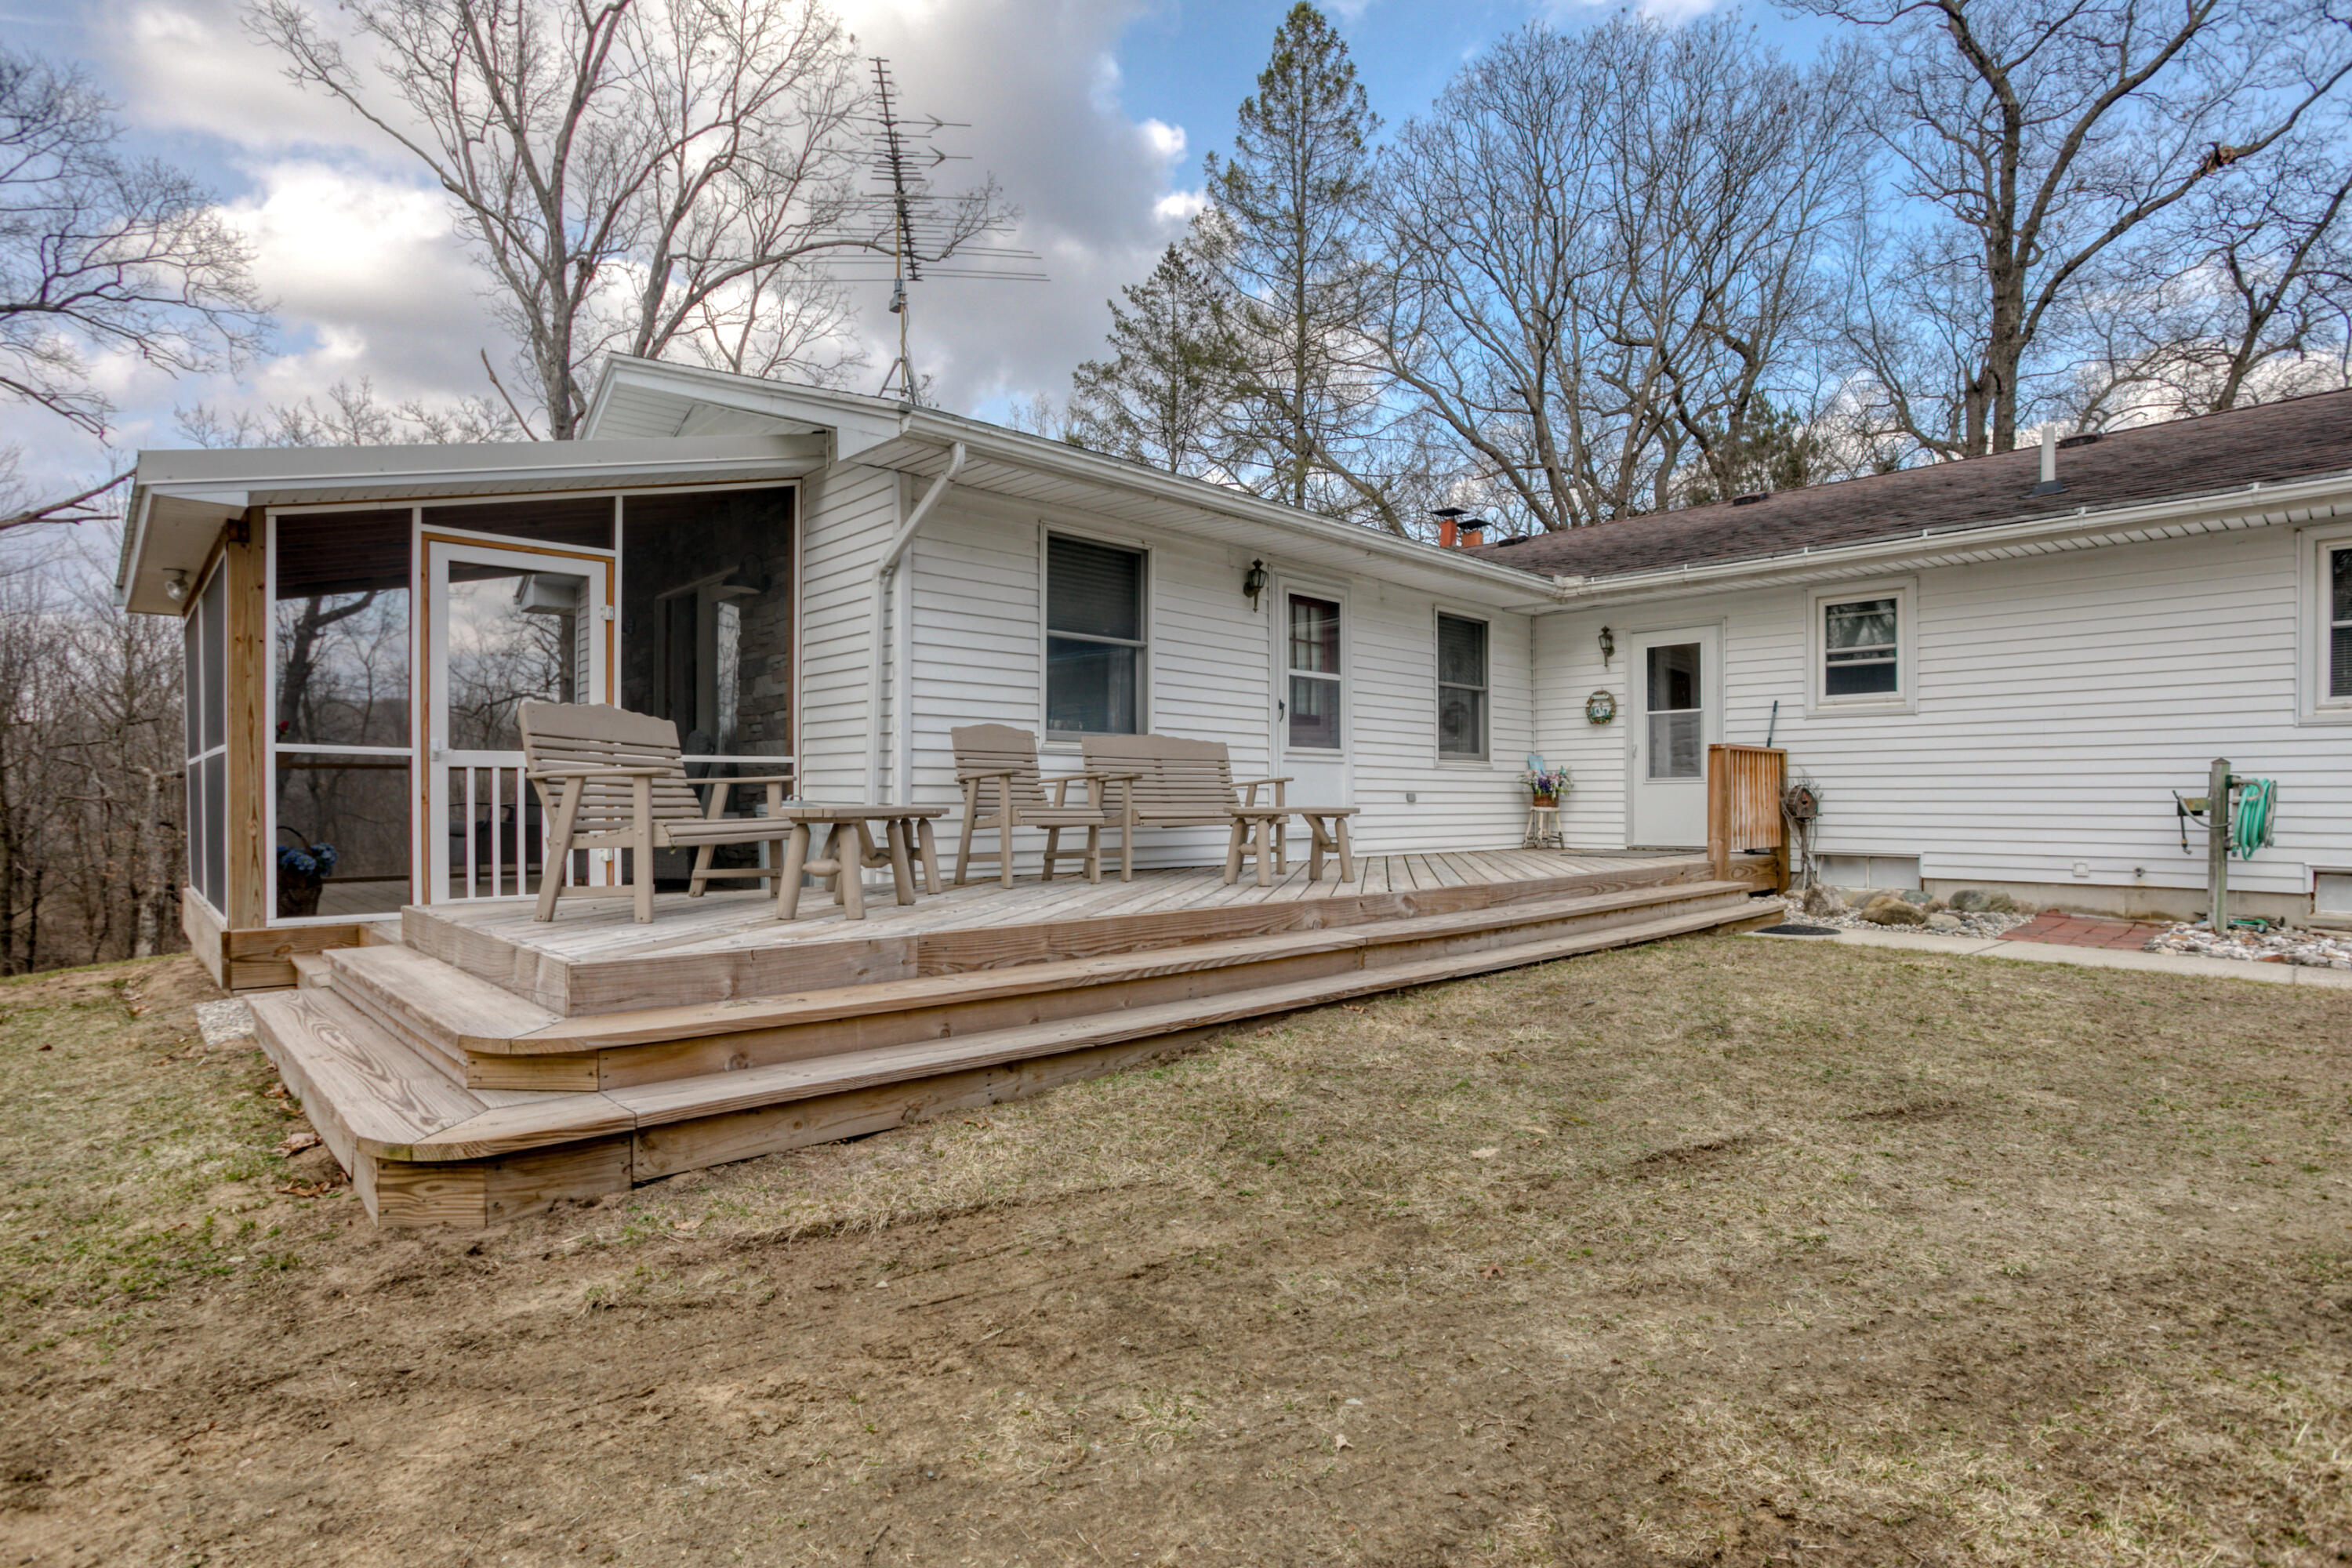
<point x="1714" y="1251"/>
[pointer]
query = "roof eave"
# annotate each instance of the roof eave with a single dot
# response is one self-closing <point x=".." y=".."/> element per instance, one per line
<point x="2206" y="512"/>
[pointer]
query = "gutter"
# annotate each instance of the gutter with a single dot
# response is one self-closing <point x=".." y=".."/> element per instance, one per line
<point x="902" y="637"/>
<point x="2090" y="529"/>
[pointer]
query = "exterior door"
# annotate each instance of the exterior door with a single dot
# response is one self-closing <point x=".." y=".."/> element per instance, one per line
<point x="504" y="625"/>
<point x="1674" y="681"/>
<point x="1311" y="709"/>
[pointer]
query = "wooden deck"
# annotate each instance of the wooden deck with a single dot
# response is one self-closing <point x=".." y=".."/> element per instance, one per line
<point x="977" y="926"/>
<point x="490" y="1064"/>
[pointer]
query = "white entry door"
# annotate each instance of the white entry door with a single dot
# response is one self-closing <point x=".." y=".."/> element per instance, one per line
<point x="1673" y="717"/>
<point x="503" y="626"/>
<point x="1311" y="710"/>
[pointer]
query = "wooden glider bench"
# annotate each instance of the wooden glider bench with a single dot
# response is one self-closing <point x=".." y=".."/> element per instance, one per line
<point x="1165" y="781"/>
<point x="611" y="779"/>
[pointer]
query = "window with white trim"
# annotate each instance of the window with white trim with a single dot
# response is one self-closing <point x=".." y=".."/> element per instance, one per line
<point x="1095" y="643"/>
<point x="1461" y="688"/>
<point x="1862" y="646"/>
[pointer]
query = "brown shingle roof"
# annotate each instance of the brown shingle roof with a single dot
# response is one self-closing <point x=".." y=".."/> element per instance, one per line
<point x="2298" y="438"/>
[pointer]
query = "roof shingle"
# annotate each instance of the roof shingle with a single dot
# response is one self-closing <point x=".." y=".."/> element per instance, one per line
<point x="2298" y="438"/>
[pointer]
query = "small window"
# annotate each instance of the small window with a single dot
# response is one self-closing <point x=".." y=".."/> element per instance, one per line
<point x="1313" y="703"/>
<point x="1461" y="687"/>
<point x="1094" y="638"/>
<point x="1862" y="657"/>
<point x="2340" y="622"/>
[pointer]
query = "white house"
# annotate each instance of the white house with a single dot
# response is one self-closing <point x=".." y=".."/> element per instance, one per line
<point x="1988" y="679"/>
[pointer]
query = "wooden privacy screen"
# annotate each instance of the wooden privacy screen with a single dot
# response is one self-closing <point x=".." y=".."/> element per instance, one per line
<point x="1743" y="804"/>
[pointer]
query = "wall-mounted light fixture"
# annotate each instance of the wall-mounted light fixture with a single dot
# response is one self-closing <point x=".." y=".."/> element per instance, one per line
<point x="1607" y="646"/>
<point x="1254" y="582"/>
<point x="176" y="584"/>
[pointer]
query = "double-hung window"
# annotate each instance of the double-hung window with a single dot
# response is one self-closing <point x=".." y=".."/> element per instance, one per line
<point x="1461" y="688"/>
<point x="2338" y="588"/>
<point x="1860" y="641"/>
<point x="1095" y="645"/>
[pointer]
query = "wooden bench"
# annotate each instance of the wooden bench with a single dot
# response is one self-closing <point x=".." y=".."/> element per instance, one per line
<point x="611" y="779"/>
<point x="997" y="766"/>
<point x="1165" y="781"/>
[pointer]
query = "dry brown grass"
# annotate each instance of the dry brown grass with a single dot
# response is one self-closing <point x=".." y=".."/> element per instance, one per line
<point x="1719" y="1249"/>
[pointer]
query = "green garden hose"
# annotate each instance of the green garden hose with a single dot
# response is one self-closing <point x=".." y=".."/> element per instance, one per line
<point x="2250" y="825"/>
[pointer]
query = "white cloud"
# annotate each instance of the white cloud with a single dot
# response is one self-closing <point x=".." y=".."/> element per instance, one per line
<point x="190" y="65"/>
<point x="370" y="279"/>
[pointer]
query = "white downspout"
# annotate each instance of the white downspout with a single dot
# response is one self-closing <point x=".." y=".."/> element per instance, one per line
<point x="883" y="571"/>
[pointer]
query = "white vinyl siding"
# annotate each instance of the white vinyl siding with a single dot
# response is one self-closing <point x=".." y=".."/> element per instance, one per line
<point x="2057" y="703"/>
<point x="850" y="515"/>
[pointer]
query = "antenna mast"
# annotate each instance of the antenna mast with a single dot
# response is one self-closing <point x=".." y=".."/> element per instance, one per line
<point x="927" y="229"/>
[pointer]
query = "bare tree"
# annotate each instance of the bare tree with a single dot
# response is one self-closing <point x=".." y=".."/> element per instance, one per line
<point x="641" y="176"/>
<point x="90" y="836"/>
<point x="2046" y="137"/>
<point x="1607" y="249"/>
<point x="99" y="254"/>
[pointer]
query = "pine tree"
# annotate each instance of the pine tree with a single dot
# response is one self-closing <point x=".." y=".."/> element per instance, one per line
<point x="1287" y="230"/>
<point x="1162" y="396"/>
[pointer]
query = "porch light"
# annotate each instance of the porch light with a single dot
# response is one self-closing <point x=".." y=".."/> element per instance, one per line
<point x="176" y="584"/>
<point x="1253" y="581"/>
<point x="1607" y="646"/>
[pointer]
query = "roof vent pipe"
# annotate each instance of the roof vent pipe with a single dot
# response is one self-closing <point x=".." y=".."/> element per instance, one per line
<point x="2049" y="485"/>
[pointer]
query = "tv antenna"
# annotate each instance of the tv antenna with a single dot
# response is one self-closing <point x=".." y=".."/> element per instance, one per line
<point x="928" y="231"/>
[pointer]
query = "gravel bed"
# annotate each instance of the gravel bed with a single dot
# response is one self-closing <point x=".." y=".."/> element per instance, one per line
<point x="1981" y="925"/>
<point x="2315" y="949"/>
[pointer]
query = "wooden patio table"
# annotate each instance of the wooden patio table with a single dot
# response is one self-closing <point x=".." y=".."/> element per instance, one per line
<point x="906" y="833"/>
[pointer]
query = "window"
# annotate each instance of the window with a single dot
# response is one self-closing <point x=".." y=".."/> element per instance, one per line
<point x="1313" y="703"/>
<point x="205" y="632"/>
<point x="2339" y="621"/>
<point x="1862" y="657"/>
<point x="1461" y="687"/>
<point x="1094" y="638"/>
<point x="1862" y="646"/>
<point x="1676" y="712"/>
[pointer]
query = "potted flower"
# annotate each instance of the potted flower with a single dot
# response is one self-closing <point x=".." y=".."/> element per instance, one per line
<point x="1547" y="785"/>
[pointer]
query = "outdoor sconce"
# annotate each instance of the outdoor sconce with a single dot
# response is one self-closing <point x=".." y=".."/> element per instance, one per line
<point x="1607" y="646"/>
<point x="176" y="584"/>
<point x="1254" y="582"/>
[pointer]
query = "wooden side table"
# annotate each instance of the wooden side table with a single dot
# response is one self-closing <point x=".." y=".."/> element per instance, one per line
<point x="1256" y="835"/>
<point x="1543" y="828"/>
<point x="906" y="834"/>
<point x="1327" y="827"/>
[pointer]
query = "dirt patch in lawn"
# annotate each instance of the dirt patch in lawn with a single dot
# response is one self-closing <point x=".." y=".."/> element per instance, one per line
<point x="1714" y="1251"/>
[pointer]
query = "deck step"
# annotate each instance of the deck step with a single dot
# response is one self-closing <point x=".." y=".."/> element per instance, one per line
<point x="363" y="1090"/>
<point x="464" y="1014"/>
<point x="313" y="972"/>
<point x="540" y="1121"/>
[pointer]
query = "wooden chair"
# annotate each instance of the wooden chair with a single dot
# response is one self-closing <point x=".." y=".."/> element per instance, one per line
<point x="1164" y="781"/>
<point x="997" y="766"/>
<point x="609" y="779"/>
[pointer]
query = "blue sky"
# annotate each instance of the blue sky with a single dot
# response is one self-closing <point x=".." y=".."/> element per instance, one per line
<point x="1094" y="113"/>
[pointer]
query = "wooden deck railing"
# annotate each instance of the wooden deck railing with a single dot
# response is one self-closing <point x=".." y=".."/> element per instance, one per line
<point x="1743" y="805"/>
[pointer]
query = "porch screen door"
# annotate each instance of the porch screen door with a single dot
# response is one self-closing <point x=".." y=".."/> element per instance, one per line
<point x="503" y="626"/>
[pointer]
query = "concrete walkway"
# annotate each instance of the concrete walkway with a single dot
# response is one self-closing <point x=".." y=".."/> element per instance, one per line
<point x="2085" y="957"/>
